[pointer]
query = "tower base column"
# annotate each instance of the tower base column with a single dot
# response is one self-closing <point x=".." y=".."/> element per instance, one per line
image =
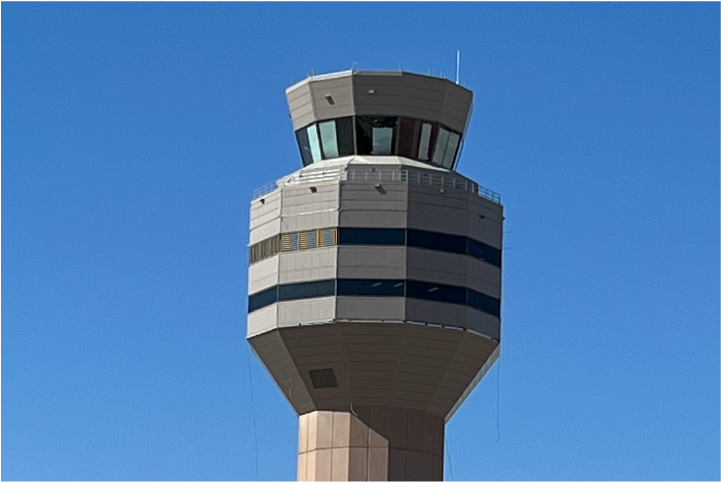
<point x="372" y="444"/>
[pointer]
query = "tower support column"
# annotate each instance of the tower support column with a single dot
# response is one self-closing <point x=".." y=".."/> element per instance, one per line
<point x="370" y="444"/>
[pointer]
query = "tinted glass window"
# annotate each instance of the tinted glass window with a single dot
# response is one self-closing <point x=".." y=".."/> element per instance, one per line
<point x="437" y="241"/>
<point x="425" y="142"/>
<point x="364" y="287"/>
<point x="376" y="135"/>
<point x="304" y="146"/>
<point x="408" y="137"/>
<point x="314" y="142"/>
<point x="451" y="149"/>
<point x="435" y="292"/>
<point x="485" y="303"/>
<point x="329" y="139"/>
<point x="313" y="289"/>
<point x="344" y="130"/>
<point x="263" y="298"/>
<point x="441" y="145"/>
<point x="484" y="252"/>
<point x="394" y="237"/>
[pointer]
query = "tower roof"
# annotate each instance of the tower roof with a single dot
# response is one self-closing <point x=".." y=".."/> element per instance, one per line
<point x="379" y="93"/>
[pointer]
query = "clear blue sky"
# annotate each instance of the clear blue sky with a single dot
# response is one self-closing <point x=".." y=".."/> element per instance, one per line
<point x="134" y="134"/>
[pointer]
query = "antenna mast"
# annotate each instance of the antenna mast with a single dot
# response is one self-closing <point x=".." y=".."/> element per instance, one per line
<point x="458" y="66"/>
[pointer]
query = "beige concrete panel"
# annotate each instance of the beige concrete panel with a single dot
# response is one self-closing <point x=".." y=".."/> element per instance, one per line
<point x="300" y="104"/>
<point x="302" y="474"/>
<point x="454" y="118"/>
<point x="456" y="109"/>
<point x="268" y="204"/>
<point x="441" y="276"/>
<point x="378" y="463"/>
<point x="373" y="219"/>
<point x="307" y="221"/>
<point x="436" y="312"/>
<point x="369" y="308"/>
<point x="262" y="320"/>
<point x="481" y="205"/>
<point x="483" y="323"/>
<point x="420" y="94"/>
<point x="297" y="91"/>
<point x="340" y="463"/>
<point x="312" y="426"/>
<point x="372" y="262"/>
<point x="374" y="205"/>
<point x="341" y="429"/>
<point x="387" y="197"/>
<point x="449" y="198"/>
<point x="260" y="219"/>
<point x="324" y="431"/>
<point x="323" y="464"/>
<point x="358" y="433"/>
<point x="291" y="313"/>
<point x="437" y="218"/>
<point x="310" y="459"/>
<point x="484" y="278"/>
<point x="307" y="265"/>
<point x="485" y="230"/>
<point x="430" y="210"/>
<point x="264" y="231"/>
<point x="341" y="96"/>
<point x="303" y="434"/>
<point x="358" y="464"/>
<point x="365" y="190"/>
<point x="426" y="82"/>
<point x="302" y="120"/>
<point x="301" y="200"/>
<point x="263" y="274"/>
<point x="303" y="109"/>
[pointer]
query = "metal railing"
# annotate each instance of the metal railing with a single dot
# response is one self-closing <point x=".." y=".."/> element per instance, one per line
<point x="382" y="175"/>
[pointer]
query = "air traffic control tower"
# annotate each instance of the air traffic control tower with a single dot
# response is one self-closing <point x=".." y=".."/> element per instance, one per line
<point x="375" y="274"/>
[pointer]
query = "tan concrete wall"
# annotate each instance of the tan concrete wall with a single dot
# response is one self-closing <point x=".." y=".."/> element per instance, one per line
<point x="370" y="444"/>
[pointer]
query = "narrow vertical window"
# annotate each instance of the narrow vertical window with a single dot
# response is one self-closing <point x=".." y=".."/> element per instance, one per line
<point x="425" y="142"/>
<point x="304" y="147"/>
<point x="344" y="129"/>
<point x="441" y="145"/>
<point x="407" y="137"/>
<point x="451" y="149"/>
<point x="329" y="139"/>
<point x="314" y="143"/>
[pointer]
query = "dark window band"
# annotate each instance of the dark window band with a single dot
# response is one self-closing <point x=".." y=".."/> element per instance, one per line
<point x="417" y="238"/>
<point x="368" y="236"/>
<point x="420" y="290"/>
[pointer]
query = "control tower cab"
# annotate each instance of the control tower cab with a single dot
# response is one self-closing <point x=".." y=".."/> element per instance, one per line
<point x="375" y="274"/>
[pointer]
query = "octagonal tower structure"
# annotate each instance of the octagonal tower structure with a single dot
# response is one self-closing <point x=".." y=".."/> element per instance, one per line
<point x="375" y="274"/>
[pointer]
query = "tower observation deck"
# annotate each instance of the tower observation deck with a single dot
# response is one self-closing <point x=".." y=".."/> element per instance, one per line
<point x="375" y="274"/>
